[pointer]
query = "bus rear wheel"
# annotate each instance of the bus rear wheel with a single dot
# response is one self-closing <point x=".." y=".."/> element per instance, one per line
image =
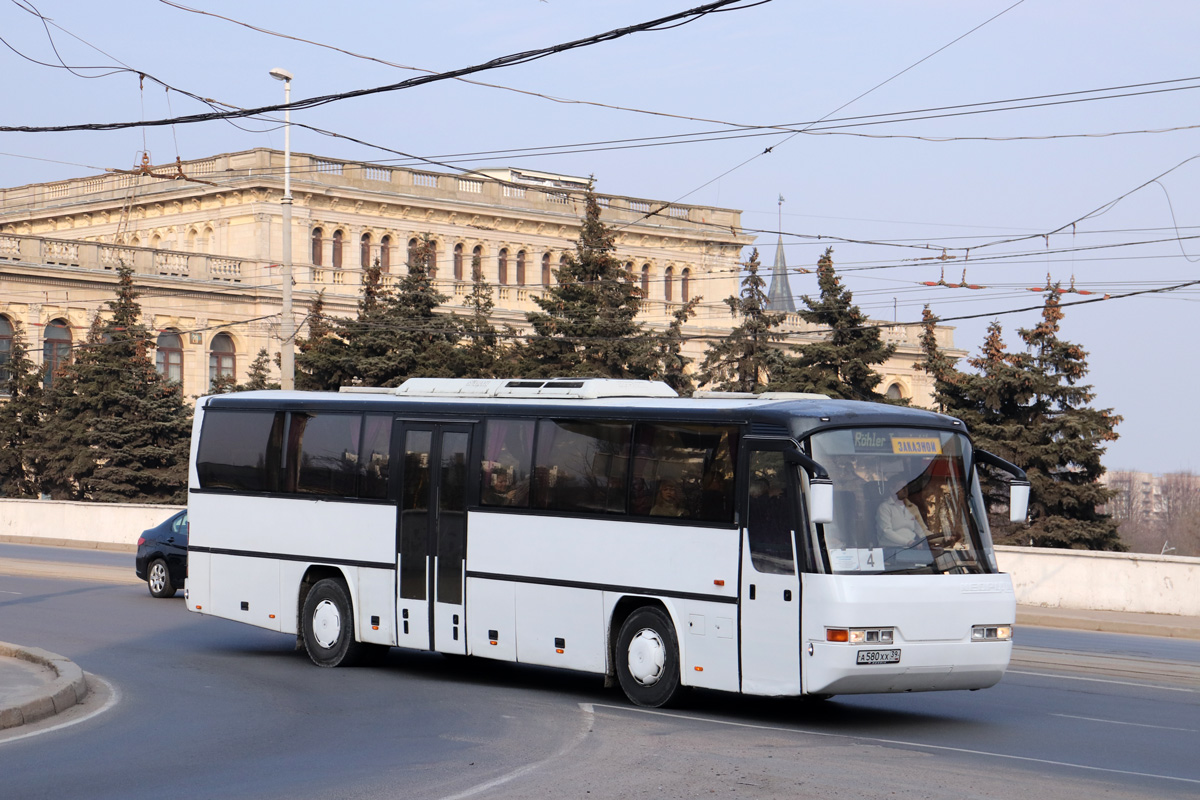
<point x="648" y="658"/>
<point x="327" y="626"/>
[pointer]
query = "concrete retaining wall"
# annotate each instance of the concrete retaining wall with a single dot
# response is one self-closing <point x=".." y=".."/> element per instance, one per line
<point x="1103" y="581"/>
<point x="1043" y="577"/>
<point x="99" y="525"/>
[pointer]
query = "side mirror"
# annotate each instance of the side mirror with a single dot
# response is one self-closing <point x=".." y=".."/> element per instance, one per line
<point x="820" y="500"/>
<point x="820" y="487"/>
<point x="1018" y="500"/>
<point x="1018" y="488"/>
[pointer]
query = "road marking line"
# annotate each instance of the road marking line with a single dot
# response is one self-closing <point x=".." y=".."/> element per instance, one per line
<point x="1118" y="722"/>
<point x="1103" y="680"/>
<point x="902" y="743"/>
<point x="586" y="728"/>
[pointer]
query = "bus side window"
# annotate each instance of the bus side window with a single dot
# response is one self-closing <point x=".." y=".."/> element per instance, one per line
<point x="322" y="453"/>
<point x="239" y="450"/>
<point x="373" y="459"/>
<point x="769" y="515"/>
<point x="507" y="463"/>
<point x="691" y="464"/>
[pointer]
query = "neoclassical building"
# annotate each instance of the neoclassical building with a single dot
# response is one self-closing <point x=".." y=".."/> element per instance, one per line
<point x="205" y="239"/>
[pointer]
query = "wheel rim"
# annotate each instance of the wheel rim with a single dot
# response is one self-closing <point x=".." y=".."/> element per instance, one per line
<point x="647" y="657"/>
<point x="158" y="577"/>
<point x="327" y="624"/>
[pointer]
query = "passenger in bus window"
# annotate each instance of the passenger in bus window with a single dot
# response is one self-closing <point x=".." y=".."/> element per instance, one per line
<point x="500" y="491"/>
<point x="898" y="519"/>
<point x="669" y="502"/>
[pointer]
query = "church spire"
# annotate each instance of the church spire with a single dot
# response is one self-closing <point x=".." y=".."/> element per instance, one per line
<point x="779" y="295"/>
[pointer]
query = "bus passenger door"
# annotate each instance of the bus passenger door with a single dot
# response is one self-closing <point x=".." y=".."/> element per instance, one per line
<point x="432" y="536"/>
<point x="770" y="585"/>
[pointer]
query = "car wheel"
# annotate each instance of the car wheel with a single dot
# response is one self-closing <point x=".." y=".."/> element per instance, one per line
<point x="648" y="658"/>
<point x="158" y="578"/>
<point x="327" y="625"/>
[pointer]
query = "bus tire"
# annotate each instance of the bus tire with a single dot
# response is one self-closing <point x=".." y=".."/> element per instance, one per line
<point x="648" y="658"/>
<point x="327" y="625"/>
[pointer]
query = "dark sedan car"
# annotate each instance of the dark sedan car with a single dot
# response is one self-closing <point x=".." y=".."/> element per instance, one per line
<point x="162" y="555"/>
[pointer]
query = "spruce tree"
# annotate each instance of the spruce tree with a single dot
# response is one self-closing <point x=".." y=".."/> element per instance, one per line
<point x="399" y="334"/>
<point x="113" y="429"/>
<point x="746" y="359"/>
<point x="1062" y="453"/>
<point x="1030" y="408"/>
<point x="588" y="326"/>
<point x="142" y="429"/>
<point x="259" y="374"/>
<point x="60" y="449"/>
<point x="321" y="356"/>
<point x="673" y="363"/>
<point x="19" y="417"/>
<point x="841" y="363"/>
<point x="481" y="352"/>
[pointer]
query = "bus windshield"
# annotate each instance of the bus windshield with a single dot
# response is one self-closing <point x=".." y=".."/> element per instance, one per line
<point x="902" y="502"/>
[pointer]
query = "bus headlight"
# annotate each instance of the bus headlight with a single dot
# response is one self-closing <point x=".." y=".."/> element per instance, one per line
<point x="861" y="635"/>
<point x="991" y="633"/>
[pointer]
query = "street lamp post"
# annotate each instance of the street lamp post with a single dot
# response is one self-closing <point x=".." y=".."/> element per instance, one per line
<point x="287" y="330"/>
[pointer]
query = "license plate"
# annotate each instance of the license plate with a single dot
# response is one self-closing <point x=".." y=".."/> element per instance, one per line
<point x="878" y="656"/>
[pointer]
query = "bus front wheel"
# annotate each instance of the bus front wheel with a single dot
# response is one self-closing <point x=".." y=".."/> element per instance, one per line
<point x="648" y="658"/>
<point x="327" y="623"/>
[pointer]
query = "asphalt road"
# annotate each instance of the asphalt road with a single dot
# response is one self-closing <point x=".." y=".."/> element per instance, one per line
<point x="206" y="708"/>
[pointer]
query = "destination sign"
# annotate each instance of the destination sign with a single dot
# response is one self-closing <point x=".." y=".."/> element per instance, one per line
<point x="917" y="446"/>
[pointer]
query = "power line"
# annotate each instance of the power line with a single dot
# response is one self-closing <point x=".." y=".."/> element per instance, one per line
<point x="662" y="23"/>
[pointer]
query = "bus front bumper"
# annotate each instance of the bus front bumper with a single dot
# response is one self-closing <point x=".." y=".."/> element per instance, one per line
<point x="835" y="668"/>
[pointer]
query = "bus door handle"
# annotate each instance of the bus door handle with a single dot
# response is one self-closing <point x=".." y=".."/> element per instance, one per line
<point x="752" y="591"/>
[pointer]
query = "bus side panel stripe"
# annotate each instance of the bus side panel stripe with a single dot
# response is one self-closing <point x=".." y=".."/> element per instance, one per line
<point x="347" y="562"/>
<point x="603" y="587"/>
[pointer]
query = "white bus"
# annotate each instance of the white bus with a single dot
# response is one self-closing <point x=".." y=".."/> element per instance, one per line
<point x="777" y="545"/>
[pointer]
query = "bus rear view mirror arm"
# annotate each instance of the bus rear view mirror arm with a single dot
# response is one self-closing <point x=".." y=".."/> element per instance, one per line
<point x="1018" y="487"/>
<point x="820" y="487"/>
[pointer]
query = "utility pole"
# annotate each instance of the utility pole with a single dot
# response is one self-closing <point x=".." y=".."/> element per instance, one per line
<point x="287" y="327"/>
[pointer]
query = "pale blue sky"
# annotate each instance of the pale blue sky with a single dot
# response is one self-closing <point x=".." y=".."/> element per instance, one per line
<point x="784" y="62"/>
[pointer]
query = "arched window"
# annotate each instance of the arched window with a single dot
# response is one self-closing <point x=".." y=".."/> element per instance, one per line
<point x="412" y="253"/>
<point x="337" y="249"/>
<point x="645" y="281"/>
<point x="668" y="287"/>
<point x="520" y="268"/>
<point x="385" y="254"/>
<point x="169" y="356"/>
<point x="546" y="269"/>
<point x="56" y="349"/>
<point x="364" y="252"/>
<point x="502" y="266"/>
<point x="458" y="262"/>
<point x="318" y="245"/>
<point x="685" y="279"/>
<point x="222" y="358"/>
<point x="894" y="392"/>
<point x="6" y="340"/>
<point x="477" y="263"/>
<point x="431" y="263"/>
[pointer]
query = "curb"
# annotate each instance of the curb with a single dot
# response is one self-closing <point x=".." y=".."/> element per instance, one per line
<point x="56" y="697"/>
